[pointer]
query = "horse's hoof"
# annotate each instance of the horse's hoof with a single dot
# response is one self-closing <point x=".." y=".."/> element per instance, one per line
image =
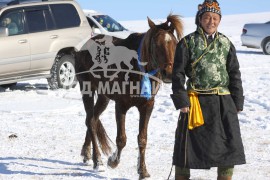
<point x="144" y="175"/>
<point x="85" y="153"/>
<point x="87" y="162"/>
<point x="99" y="167"/>
<point x="113" y="162"/>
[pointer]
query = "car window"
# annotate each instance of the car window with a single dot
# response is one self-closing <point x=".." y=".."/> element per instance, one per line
<point x="39" y="19"/>
<point x="65" y="15"/>
<point x="13" y="20"/>
<point x="91" y="23"/>
<point x="108" y="23"/>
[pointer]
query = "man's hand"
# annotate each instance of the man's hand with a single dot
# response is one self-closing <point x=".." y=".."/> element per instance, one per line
<point x="184" y="110"/>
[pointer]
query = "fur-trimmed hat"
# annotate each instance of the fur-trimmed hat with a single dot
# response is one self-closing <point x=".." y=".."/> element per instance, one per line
<point x="210" y="6"/>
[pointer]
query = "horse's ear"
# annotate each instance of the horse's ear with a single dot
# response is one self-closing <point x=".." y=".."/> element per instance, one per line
<point x="150" y="23"/>
<point x="170" y="26"/>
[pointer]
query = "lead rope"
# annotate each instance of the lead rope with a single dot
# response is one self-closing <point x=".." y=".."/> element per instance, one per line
<point x="170" y="173"/>
<point x="172" y="164"/>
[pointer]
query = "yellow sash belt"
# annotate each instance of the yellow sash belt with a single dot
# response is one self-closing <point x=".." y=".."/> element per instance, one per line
<point x="195" y="118"/>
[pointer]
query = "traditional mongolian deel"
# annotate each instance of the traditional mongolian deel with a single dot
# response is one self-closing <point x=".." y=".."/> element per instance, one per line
<point x="213" y="72"/>
<point x="208" y="63"/>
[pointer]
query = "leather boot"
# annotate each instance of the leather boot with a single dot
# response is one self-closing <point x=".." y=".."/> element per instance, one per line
<point x="224" y="178"/>
<point x="181" y="178"/>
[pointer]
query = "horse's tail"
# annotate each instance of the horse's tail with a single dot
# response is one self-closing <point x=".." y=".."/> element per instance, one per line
<point x="103" y="138"/>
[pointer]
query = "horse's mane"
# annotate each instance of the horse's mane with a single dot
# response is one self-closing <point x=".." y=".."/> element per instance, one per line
<point x="173" y="23"/>
<point x="177" y="24"/>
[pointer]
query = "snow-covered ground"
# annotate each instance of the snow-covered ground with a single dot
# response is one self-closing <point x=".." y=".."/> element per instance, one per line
<point x="42" y="131"/>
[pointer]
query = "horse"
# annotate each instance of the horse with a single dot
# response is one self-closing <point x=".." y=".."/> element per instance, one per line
<point x="152" y="65"/>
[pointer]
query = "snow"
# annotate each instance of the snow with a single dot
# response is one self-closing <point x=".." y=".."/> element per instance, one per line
<point x="42" y="130"/>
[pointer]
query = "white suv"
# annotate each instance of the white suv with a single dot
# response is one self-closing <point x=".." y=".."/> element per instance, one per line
<point x="38" y="40"/>
<point x="104" y="24"/>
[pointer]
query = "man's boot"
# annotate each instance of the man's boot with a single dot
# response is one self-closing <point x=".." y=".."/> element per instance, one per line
<point x="181" y="178"/>
<point x="224" y="178"/>
<point x="182" y="173"/>
<point x="225" y="173"/>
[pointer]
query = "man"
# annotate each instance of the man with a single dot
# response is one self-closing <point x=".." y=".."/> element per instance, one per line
<point x="12" y="27"/>
<point x="208" y="133"/>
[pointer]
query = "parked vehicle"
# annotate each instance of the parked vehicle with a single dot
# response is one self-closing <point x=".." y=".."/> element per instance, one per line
<point x="104" y="24"/>
<point x="38" y="39"/>
<point x="257" y="35"/>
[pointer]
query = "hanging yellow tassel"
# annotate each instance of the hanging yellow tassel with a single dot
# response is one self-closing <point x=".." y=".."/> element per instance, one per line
<point x="195" y="118"/>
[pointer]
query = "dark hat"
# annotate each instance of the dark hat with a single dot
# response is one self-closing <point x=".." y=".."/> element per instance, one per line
<point x="210" y="6"/>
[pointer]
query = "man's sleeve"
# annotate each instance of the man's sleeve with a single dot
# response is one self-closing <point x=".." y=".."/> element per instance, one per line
<point x="235" y="85"/>
<point x="179" y="96"/>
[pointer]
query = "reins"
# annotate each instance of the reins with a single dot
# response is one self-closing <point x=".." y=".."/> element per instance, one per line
<point x="153" y="72"/>
<point x="153" y="61"/>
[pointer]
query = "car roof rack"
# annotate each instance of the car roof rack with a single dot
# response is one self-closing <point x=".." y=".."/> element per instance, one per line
<point x="14" y="2"/>
<point x="5" y="3"/>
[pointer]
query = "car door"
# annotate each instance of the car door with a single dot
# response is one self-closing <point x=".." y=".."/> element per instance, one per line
<point x="14" y="48"/>
<point x="41" y="36"/>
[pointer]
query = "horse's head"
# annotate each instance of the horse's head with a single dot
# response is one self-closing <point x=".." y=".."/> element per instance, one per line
<point x="159" y="45"/>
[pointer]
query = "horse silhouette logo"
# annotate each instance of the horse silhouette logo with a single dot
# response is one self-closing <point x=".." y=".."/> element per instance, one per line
<point x="104" y="54"/>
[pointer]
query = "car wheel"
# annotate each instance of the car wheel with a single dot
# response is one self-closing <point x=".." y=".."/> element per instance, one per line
<point x="266" y="46"/>
<point x="63" y="73"/>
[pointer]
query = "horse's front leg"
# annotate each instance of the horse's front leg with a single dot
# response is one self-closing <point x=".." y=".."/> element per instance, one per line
<point x="121" y="139"/>
<point x="145" y="113"/>
<point x="101" y="104"/>
<point x="88" y="102"/>
<point x="91" y="134"/>
<point x="88" y="106"/>
<point x="86" y="149"/>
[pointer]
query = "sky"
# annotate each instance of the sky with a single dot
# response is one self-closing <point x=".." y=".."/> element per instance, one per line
<point x="159" y="9"/>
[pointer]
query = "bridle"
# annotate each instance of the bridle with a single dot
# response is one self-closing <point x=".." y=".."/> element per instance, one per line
<point x="153" y="62"/>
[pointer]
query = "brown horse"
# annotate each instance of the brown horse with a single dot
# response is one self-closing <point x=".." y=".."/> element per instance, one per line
<point x="150" y="64"/>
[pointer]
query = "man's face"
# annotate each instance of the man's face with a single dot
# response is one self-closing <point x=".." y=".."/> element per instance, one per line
<point x="209" y="22"/>
<point x="5" y="22"/>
